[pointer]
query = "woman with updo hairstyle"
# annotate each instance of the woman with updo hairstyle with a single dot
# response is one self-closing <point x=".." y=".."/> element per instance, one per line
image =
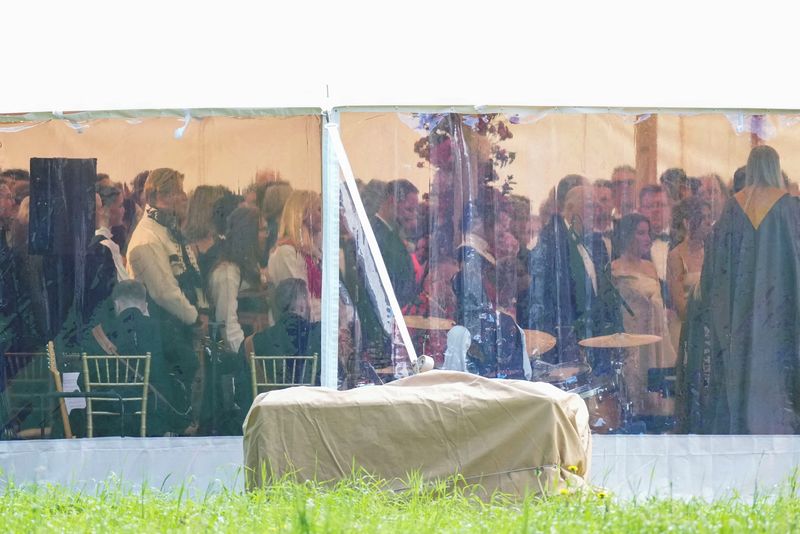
<point x="636" y="279"/>
<point x="236" y="271"/>
<point x="297" y="251"/>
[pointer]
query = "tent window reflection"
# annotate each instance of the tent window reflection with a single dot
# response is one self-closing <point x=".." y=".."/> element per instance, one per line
<point x="105" y="258"/>
<point x="648" y="264"/>
<point x="601" y="281"/>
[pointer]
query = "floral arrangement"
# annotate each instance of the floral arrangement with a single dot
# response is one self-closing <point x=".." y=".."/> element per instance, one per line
<point x="486" y="133"/>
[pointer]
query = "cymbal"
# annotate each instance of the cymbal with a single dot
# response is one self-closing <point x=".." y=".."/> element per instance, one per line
<point x="619" y="340"/>
<point x="539" y="341"/>
<point x="428" y="323"/>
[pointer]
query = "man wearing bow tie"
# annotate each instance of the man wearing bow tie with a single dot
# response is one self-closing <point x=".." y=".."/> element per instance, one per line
<point x="570" y="295"/>
<point x="654" y="204"/>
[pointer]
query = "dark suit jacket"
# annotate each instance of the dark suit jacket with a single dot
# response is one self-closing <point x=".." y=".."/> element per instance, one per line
<point x="561" y="300"/>
<point x="398" y="261"/>
<point x="100" y="277"/>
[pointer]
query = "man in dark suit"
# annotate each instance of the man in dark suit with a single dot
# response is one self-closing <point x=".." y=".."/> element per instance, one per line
<point x="571" y="296"/>
<point x="104" y="264"/>
<point x="394" y="220"/>
<point x="603" y="223"/>
<point x="392" y="223"/>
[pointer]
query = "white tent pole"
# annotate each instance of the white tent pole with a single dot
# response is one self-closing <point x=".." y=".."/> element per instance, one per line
<point x="330" y="262"/>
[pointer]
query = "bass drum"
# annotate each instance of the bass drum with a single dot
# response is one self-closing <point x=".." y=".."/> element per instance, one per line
<point x="605" y="409"/>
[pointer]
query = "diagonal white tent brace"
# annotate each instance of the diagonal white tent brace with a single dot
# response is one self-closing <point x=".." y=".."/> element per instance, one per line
<point x="332" y="130"/>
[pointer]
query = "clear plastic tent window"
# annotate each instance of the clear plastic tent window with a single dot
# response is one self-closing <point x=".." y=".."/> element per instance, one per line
<point x="193" y="236"/>
<point x="645" y="260"/>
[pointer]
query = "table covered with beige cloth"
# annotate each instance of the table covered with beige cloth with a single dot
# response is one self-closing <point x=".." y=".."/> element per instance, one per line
<point x="508" y="435"/>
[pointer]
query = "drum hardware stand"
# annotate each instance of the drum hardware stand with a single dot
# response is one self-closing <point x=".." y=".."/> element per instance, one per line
<point x="617" y="363"/>
<point x="213" y="347"/>
<point x="425" y="337"/>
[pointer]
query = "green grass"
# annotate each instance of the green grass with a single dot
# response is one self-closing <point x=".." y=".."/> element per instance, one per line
<point x="364" y="505"/>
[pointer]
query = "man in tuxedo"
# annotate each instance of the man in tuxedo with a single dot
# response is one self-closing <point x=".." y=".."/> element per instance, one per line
<point x="104" y="264"/>
<point x="571" y="296"/>
<point x="654" y="204"/>
<point x="602" y="224"/>
<point x="392" y="223"/>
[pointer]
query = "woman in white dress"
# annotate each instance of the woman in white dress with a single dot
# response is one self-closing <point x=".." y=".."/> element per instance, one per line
<point x="297" y="252"/>
<point x="236" y="270"/>
<point x="637" y="281"/>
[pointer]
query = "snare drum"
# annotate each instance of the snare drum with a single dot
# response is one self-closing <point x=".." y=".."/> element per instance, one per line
<point x="567" y="376"/>
<point x="605" y="409"/>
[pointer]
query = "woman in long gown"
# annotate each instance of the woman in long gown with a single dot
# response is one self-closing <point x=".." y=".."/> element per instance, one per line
<point x="684" y="265"/>
<point x="644" y="367"/>
<point x="685" y="261"/>
<point x="750" y="286"/>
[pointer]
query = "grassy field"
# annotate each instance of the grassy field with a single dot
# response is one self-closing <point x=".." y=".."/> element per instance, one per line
<point x="361" y="505"/>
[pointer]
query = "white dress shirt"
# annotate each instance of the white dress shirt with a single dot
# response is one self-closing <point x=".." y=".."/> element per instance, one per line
<point x="587" y="260"/>
<point x="122" y="272"/>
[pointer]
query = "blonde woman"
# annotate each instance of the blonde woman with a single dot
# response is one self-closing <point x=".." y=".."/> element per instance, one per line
<point x="297" y="251"/>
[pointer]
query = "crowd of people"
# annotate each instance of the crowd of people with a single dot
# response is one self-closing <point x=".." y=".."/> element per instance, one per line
<point x="692" y="260"/>
<point x="199" y="280"/>
<point x="191" y="279"/>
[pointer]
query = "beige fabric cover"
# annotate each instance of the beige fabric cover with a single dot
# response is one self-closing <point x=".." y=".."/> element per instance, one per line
<point x="507" y="435"/>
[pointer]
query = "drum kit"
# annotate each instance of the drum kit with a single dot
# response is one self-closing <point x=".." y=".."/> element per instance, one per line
<point x="605" y="396"/>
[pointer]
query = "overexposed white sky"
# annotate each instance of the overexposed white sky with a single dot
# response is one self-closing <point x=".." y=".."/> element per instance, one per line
<point x="60" y="56"/>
